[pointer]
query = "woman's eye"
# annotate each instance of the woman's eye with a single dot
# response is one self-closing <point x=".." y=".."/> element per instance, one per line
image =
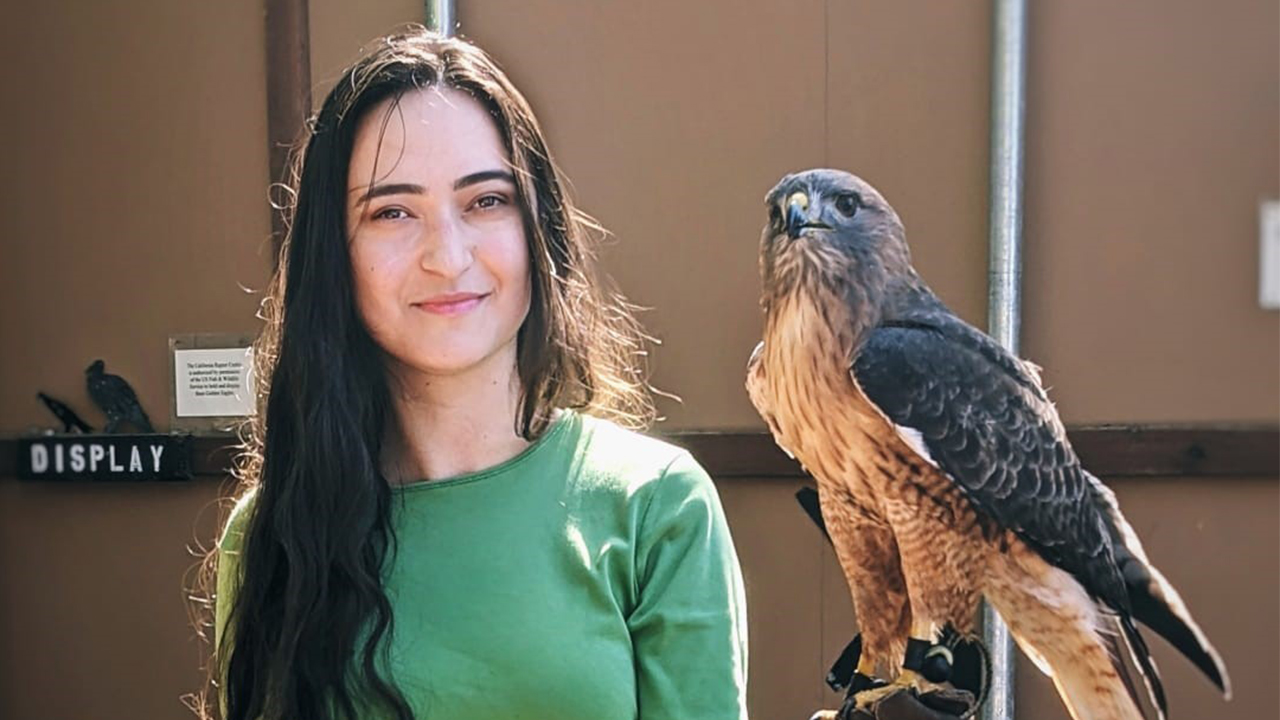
<point x="847" y="204"/>
<point x="488" y="202"/>
<point x="391" y="213"/>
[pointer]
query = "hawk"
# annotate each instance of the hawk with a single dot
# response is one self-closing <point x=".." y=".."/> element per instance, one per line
<point x="944" y="474"/>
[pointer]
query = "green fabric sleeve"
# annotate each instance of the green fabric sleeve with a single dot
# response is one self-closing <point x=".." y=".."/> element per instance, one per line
<point x="228" y="580"/>
<point x="689" y="627"/>
<point x="229" y="564"/>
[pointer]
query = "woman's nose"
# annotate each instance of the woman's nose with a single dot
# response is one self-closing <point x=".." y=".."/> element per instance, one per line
<point x="447" y="249"/>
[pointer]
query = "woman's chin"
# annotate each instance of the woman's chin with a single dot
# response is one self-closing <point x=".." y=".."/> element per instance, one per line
<point x="452" y="365"/>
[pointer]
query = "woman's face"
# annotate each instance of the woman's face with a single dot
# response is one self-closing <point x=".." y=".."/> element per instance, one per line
<point x="438" y="249"/>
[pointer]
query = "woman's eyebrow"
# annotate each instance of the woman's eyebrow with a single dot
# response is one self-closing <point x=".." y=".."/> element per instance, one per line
<point x="412" y="189"/>
<point x="389" y="189"/>
<point x="482" y="176"/>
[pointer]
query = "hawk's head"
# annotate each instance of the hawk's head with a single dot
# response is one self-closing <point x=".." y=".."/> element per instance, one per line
<point x="830" y="227"/>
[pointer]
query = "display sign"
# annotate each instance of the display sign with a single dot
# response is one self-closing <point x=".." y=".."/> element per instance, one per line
<point x="105" y="457"/>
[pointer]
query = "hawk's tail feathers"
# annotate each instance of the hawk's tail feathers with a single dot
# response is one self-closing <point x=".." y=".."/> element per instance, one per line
<point x="1155" y="602"/>
<point x="1090" y="678"/>
<point x="1132" y="641"/>
<point x="1070" y="637"/>
<point x="1160" y="608"/>
<point x="1137" y="651"/>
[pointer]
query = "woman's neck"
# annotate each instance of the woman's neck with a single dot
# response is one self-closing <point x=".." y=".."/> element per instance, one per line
<point x="449" y="425"/>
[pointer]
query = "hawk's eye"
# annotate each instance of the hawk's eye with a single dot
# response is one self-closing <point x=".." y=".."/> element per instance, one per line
<point x="847" y="204"/>
<point x="775" y="215"/>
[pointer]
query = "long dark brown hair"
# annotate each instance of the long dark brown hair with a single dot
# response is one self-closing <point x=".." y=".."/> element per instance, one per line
<point x="310" y="618"/>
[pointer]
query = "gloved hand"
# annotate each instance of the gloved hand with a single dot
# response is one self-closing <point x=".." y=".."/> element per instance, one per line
<point x="905" y="705"/>
<point x="934" y="705"/>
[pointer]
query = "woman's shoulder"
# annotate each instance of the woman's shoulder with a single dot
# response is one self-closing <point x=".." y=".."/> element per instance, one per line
<point x="635" y="462"/>
<point x="666" y="493"/>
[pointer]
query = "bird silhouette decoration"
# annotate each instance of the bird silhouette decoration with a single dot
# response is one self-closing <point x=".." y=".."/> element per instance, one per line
<point x="70" y="420"/>
<point x="116" y="399"/>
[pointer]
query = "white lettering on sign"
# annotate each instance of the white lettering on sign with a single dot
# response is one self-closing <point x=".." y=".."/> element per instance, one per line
<point x="102" y="457"/>
<point x="213" y="383"/>
<point x="39" y="459"/>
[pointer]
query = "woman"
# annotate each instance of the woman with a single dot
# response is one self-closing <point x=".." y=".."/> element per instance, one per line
<point x="442" y="513"/>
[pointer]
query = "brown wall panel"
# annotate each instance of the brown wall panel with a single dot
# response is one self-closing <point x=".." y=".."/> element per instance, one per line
<point x="782" y="565"/>
<point x="134" y="202"/>
<point x="1153" y="130"/>
<point x="340" y="28"/>
<point x="92" y="610"/>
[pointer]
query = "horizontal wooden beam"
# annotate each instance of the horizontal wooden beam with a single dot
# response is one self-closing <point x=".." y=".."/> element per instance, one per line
<point x="1108" y="451"/>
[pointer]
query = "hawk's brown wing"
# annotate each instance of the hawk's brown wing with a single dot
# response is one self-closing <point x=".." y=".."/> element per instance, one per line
<point x="999" y="441"/>
<point x="987" y="423"/>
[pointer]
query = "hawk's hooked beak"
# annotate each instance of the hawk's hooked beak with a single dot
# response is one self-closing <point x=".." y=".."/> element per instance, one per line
<point x="798" y="215"/>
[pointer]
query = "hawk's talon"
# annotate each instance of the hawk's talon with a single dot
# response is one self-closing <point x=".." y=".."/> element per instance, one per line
<point x="859" y="684"/>
<point x="908" y="681"/>
<point x="862" y="683"/>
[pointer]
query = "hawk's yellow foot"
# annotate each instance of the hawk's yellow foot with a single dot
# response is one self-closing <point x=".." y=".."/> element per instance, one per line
<point x="907" y="681"/>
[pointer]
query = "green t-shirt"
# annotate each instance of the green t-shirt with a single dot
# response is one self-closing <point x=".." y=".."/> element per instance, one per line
<point x="591" y="577"/>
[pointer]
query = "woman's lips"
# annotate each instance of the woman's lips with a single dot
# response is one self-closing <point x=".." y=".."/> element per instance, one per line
<point x="451" y="304"/>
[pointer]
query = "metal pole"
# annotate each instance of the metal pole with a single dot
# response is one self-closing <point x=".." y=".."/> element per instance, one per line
<point x="1004" y="293"/>
<point x="442" y="16"/>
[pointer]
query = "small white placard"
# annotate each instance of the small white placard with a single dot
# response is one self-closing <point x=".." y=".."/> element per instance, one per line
<point x="1269" y="255"/>
<point x="213" y="383"/>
